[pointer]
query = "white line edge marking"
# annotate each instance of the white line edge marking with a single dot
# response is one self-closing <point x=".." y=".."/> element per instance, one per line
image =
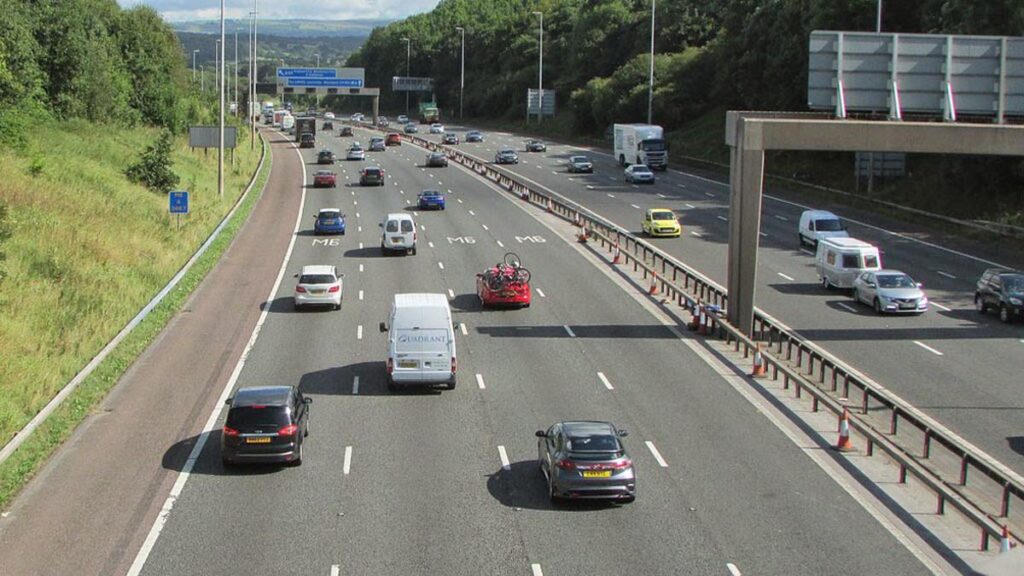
<point x="569" y="331"/>
<point x="335" y="570"/>
<point x="360" y="294"/>
<point x="656" y="454"/>
<point x="480" y="382"/>
<point x="928" y="348"/>
<point x="355" y="385"/>
<point x="186" y="471"/>
<point x="604" y="380"/>
<point x="462" y="327"/>
<point x="733" y="569"/>
<point x="941" y="307"/>
<point x="500" y="245"/>
<point x="440" y="265"/>
<point x="786" y="276"/>
<point x="359" y="332"/>
<point x="348" y="461"/>
<point x="946" y="274"/>
<point x="846" y="307"/>
<point x="536" y="570"/>
<point x="504" y="458"/>
<point x="541" y="292"/>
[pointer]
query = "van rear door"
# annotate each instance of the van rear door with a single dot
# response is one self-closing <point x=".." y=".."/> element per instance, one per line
<point x="423" y="351"/>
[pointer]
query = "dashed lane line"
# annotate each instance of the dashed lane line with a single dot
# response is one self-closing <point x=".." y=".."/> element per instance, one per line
<point x="462" y="327"/>
<point x="787" y="277"/>
<point x="355" y="385"/>
<point x="604" y="380"/>
<point x="846" y="307"/>
<point x="536" y="570"/>
<point x="541" y="292"/>
<point x="569" y="331"/>
<point x="440" y="265"/>
<point x="360" y="294"/>
<point x="928" y="348"/>
<point x="504" y="458"/>
<point x="656" y="454"/>
<point x="451" y="293"/>
<point x="359" y="332"/>
<point x="480" y="382"/>
<point x="946" y="274"/>
<point x="347" y="466"/>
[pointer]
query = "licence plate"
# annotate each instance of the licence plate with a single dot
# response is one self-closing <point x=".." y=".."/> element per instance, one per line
<point x="597" y="473"/>
<point x="258" y="440"/>
<point x="406" y="363"/>
<point x="396" y="240"/>
<point x="316" y="291"/>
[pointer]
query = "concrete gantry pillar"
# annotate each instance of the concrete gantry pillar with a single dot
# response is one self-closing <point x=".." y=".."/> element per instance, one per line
<point x="746" y="178"/>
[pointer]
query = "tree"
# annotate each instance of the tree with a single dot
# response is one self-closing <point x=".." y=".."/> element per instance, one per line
<point x="153" y="169"/>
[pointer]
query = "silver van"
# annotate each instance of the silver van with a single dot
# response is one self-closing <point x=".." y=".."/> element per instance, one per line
<point x="398" y="234"/>
<point x="421" y="341"/>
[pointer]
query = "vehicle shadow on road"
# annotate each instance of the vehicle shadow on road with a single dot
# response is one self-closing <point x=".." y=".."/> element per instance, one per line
<point x="338" y="381"/>
<point x="208" y="463"/>
<point x="808" y="289"/>
<point x="286" y="305"/>
<point x="466" y="303"/>
<point x="522" y="486"/>
<point x="369" y="252"/>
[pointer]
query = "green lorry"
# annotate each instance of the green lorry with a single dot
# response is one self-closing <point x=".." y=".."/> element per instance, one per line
<point x="429" y="113"/>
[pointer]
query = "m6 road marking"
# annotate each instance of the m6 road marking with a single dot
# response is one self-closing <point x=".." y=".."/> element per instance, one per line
<point x="532" y="239"/>
<point x="326" y="242"/>
<point x="461" y="240"/>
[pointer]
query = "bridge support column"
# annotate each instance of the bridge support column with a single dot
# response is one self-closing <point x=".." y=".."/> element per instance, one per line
<point x="746" y="179"/>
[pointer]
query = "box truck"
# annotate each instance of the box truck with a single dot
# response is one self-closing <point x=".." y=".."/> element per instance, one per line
<point x="641" y="144"/>
<point x="304" y="125"/>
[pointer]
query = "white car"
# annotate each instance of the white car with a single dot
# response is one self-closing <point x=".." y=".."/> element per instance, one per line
<point x="328" y="115"/>
<point x="398" y="234"/>
<point x="402" y="119"/>
<point x="437" y="128"/>
<point x="356" y="152"/>
<point x="318" y="286"/>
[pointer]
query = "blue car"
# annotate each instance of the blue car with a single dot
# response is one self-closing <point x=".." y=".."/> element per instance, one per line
<point x="329" y="221"/>
<point x="430" y="199"/>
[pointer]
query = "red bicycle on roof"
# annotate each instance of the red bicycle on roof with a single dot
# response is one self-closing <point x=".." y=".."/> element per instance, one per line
<point x="507" y="283"/>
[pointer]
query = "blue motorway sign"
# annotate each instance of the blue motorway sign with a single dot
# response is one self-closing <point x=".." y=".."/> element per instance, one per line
<point x="179" y="202"/>
<point x="306" y="73"/>
<point x="324" y="83"/>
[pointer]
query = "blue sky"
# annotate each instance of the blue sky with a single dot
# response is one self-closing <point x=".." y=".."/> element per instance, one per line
<point x="178" y="10"/>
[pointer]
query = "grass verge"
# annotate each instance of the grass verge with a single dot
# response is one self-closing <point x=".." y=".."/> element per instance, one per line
<point x="195" y="172"/>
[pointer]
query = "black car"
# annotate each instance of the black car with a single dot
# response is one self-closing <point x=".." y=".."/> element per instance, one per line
<point x="325" y="157"/>
<point x="307" y="140"/>
<point x="450" y="138"/>
<point x="265" y="424"/>
<point x="506" y="156"/>
<point x="345" y="131"/>
<point x="328" y="125"/>
<point x="371" y="176"/>
<point x="474" y="136"/>
<point x="437" y="159"/>
<point x="1001" y="289"/>
<point x="580" y="164"/>
<point x="536" y="146"/>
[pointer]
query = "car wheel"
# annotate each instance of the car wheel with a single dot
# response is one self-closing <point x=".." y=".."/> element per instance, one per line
<point x="226" y="463"/>
<point x="551" y="491"/>
<point x="451" y="385"/>
<point x="825" y="283"/>
<point x="1004" y="314"/>
<point x="800" y="240"/>
<point x="392" y="386"/>
<point x="298" y="459"/>
<point x="413" y="250"/>
<point x="297" y="306"/>
<point x="878" y="306"/>
<point x="856" y="296"/>
<point x="979" y="304"/>
<point x="337" y="306"/>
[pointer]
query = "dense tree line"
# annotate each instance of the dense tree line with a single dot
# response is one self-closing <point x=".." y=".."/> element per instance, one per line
<point x="745" y="54"/>
<point x="90" y="59"/>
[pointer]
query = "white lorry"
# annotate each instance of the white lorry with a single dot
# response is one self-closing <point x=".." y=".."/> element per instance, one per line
<point x="641" y="144"/>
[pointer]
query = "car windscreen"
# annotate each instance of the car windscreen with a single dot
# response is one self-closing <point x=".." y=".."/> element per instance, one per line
<point x="895" y="281"/>
<point x="641" y="170"/>
<point x="830" y="225"/>
<point x="1013" y="283"/>
<point x="652" y="145"/>
<point x="407" y="226"/>
<point x="663" y="216"/>
<point x="316" y="279"/>
<point x="266" y="418"/>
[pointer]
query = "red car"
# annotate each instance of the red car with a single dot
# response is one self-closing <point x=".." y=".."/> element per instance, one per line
<point x="393" y="139"/>
<point x="505" y="284"/>
<point x="325" y="179"/>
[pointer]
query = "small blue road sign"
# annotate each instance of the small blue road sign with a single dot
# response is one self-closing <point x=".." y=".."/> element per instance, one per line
<point x="179" y="202"/>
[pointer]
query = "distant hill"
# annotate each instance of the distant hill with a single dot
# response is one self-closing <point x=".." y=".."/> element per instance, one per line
<point x="294" y="50"/>
<point x="297" y="28"/>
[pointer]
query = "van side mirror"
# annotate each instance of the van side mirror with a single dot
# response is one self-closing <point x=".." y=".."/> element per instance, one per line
<point x="307" y="400"/>
<point x="228" y="401"/>
<point x="295" y="275"/>
<point x="380" y="225"/>
<point x="383" y="327"/>
<point x="623" y="433"/>
<point x="540" y="434"/>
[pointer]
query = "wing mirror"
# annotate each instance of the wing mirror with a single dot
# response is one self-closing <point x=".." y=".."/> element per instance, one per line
<point x="383" y="327"/>
<point x="623" y="433"/>
<point x="920" y="284"/>
<point x="307" y="400"/>
<point x="228" y="401"/>
<point x="540" y="434"/>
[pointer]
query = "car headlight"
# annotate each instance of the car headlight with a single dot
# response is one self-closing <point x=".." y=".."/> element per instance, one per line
<point x="923" y="301"/>
<point x="1015" y="301"/>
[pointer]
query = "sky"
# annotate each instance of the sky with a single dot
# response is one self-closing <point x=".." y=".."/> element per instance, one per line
<point x="181" y="10"/>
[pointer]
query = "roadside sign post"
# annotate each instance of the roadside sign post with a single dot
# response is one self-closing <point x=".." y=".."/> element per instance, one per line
<point x="178" y="205"/>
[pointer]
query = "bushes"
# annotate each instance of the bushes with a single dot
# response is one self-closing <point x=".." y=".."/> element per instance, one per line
<point x="153" y="170"/>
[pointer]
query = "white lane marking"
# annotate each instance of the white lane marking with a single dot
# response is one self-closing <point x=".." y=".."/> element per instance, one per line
<point x="557" y="173"/>
<point x="589" y="187"/>
<point x="359" y="332"/>
<point x="536" y="570"/>
<point x="471" y="213"/>
<point x="941" y="307"/>
<point x="733" y="569"/>
<point x="401" y="191"/>
<point x="360" y="267"/>
<point x="635" y="186"/>
<point x="360" y="294"/>
<point x="723" y="218"/>
<point x="709" y="194"/>
<point x="480" y="382"/>
<point x="610" y="195"/>
<point x="415" y="213"/>
<point x="928" y="348"/>
<point x="451" y="293"/>
<point x="422" y="227"/>
<point x="569" y="331"/>
<point x="355" y="385"/>
<point x="440" y="265"/>
<point x="485" y="226"/>
<point x="657" y="455"/>
<point x="790" y="278"/>
<point x="691" y="206"/>
<point x="462" y="327"/>
<point x="347" y="466"/>
<point x="613" y="178"/>
<point x="360" y="245"/>
<point x="504" y="458"/>
<point x="500" y="245"/>
<point x="449" y="190"/>
<point x="662" y="196"/>
<point x="697" y="234"/>
<point x="335" y="570"/>
<point x="806" y="251"/>
<point x="763" y="234"/>
<point x="186" y="471"/>
<point x="681" y="185"/>
<point x="355" y="203"/>
<point x="846" y="307"/>
<point x="541" y="292"/>
<point x="353" y="192"/>
<point x="460" y="200"/>
<point x="539" y="167"/>
<point x="783" y="218"/>
<point x="357" y="214"/>
<point x="946" y="274"/>
<point x="360" y="228"/>
<point x="635" y="206"/>
<point x="431" y="244"/>
<point x="604" y="380"/>
<point x="439" y="182"/>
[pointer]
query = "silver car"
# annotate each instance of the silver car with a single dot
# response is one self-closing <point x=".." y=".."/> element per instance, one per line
<point x="890" y="291"/>
<point x="639" y="173"/>
<point x="356" y="152"/>
<point x="586" y="460"/>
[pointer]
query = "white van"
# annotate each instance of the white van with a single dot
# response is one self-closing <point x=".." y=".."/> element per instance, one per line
<point x="840" y="260"/>
<point x="398" y="234"/>
<point x="421" y="341"/>
<point x="818" y="224"/>
<point x="288" y="123"/>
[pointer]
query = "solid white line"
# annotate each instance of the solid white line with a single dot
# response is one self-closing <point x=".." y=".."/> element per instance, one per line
<point x="946" y="274"/>
<point x="462" y="328"/>
<point x="500" y="245"/>
<point x="471" y="213"/>
<point x="359" y="332"/>
<point x="697" y="234"/>
<point x="806" y="251"/>
<point x="657" y="455"/>
<point x="480" y="382"/>
<point x="360" y="294"/>
<point x="451" y="293"/>
<point x="610" y="195"/>
<point x="784" y="219"/>
<point x="846" y="307"/>
<point x="604" y="380"/>
<point x="635" y="206"/>
<point x="941" y="307"/>
<point x="536" y="570"/>
<point x="440" y="265"/>
<point x="504" y="458"/>
<point x="485" y="226"/>
<point x="790" y="278"/>
<point x="928" y="348"/>
<point x="355" y="385"/>
<point x="690" y="206"/>
<point x="709" y="194"/>
<point x="733" y="569"/>
<point x="460" y="200"/>
<point x="218" y="407"/>
<point x="360" y="267"/>
<point x="335" y="570"/>
<point x="541" y="292"/>
<point x="723" y="218"/>
<point x="569" y="331"/>
<point x="348" y="461"/>
<point x="431" y="244"/>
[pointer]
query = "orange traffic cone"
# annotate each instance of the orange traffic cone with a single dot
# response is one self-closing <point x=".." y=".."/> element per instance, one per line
<point x="616" y="254"/>
<point x="1004" y="541"/>
<point x="844" y="444"/>
<point x="759" y="370"/>
<point x="702" y="325"/>
<point x="654" y="284"/>
<point x="551" y="207"/>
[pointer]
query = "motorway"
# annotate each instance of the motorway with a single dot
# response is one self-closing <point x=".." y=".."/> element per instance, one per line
<point x="961" y="368"/>
<point x="447" y="483"/>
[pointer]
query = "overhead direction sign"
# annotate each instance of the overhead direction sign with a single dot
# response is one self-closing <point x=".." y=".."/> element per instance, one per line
<point x="411" y="84"/>
<point x="324" y="83"/>
<point x="178" y="202"/>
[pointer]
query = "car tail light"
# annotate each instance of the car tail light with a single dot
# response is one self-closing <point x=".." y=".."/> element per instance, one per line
<point x="391" y="366"/>
<point x="230" y="431"/>
<point x="333" y="289"/>
<point x="289" y="430"/>
<point x="414" y="236"/>
<point x="300" y="289"/>
<point x="565" y="464"/>
<point x="621" y="464"/>
<point x="454" y="365"/>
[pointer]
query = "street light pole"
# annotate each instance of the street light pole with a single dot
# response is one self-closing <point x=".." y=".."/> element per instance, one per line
<point x="408" y="58"/>
<point x="235" y="92"/>
<point x="216" y="62"/>
<point x="650" y="88"/>
<point x="878" y="18"/>
<point x="202" y="78"/>
<point x="254" y="107"/>
<point x="540" y="71"/>
<point x="318" y="91"/>
<point x="220" y="87"/>
<point x="194" y="52"/>
<point x="462" y="66"/>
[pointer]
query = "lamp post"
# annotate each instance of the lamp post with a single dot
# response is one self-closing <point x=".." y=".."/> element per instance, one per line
<point x="194" y="52"/>
<point x="234" y="93"/>
<point x="462" y="67"/>
<point x="878" y="17"/>
<point x="318" y="90"/>
<point x="253" y="106"/>
<point x="220" y="87"/>
<point x="650" y="87"/>
<point x="540" y="71"/>
<point x="408" y="58"/>
<point x="216" y="62"/>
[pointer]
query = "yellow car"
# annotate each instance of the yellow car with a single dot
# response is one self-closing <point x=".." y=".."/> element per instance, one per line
<point x="661" y="222"/>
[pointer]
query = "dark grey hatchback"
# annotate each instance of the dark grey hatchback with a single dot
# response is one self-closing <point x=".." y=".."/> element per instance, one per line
<point x="265" y="424"/>
<point x="584" y="460"/>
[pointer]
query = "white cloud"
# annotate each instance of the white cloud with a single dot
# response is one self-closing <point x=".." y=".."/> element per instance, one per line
<point x="179" y="10"/>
